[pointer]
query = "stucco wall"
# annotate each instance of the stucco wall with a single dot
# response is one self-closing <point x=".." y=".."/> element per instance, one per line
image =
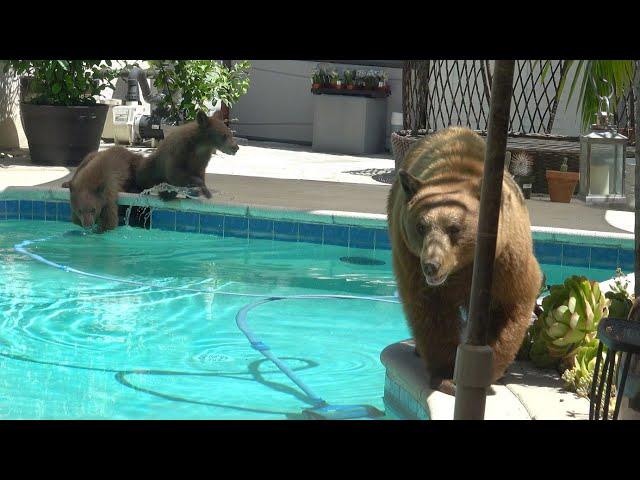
<point x="279" y="104"/>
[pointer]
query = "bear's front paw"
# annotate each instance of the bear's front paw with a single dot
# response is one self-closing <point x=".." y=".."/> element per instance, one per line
<point x="206" y="192"/>
<point x="445" y="386"/>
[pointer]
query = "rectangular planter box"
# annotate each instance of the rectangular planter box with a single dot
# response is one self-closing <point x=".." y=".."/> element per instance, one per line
<point x="349" y="125"/>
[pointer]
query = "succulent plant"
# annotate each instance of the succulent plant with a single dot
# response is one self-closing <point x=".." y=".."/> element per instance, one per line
<point x="521" y="164"/>
<point x="571" y="315"/>
<point x="579" y="377"/>
<point x="619" y="296"/>
<point x="565" y="165"/>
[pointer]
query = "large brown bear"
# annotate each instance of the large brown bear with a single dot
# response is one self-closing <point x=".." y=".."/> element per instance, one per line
<point x="182" y="158"/>
<point x="432" y="212"/>
<point x="95" y="185"/>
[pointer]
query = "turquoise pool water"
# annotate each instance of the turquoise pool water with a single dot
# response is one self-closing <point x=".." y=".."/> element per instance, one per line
<point x="74" y="347"/>
<point x="77" y="347"/>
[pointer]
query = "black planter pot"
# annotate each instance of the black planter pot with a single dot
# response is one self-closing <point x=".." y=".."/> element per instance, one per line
<point x="526" y="184"/>
<point x="62" y="135"/>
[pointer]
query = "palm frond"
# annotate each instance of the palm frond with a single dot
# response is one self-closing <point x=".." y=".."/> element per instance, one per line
<point x="616" y="73"/>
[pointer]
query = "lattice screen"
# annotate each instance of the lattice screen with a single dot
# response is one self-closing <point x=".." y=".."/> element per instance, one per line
<point x="439" y="93"/>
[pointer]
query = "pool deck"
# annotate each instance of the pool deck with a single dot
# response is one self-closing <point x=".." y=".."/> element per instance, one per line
<point x="271" y="175"/>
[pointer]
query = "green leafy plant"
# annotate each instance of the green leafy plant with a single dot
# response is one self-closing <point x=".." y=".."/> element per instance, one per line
<point x="318" y="76"/>
<point x="63" y="82"/>
<point x="616" y="73"/>
<point x="190" y="84"/>
<point x="349" y="77"/>
<point x="571" y="315"/>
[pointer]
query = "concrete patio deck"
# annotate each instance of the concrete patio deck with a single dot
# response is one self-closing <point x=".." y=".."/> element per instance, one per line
<point x="261" y="175"/>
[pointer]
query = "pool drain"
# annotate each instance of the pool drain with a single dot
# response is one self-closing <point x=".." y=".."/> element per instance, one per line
<point x="361" y="261"/>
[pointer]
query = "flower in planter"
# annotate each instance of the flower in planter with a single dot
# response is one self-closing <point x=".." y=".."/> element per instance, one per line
<point x="317" y="76"/>
<point x="382" y="79"/>
<point x="349" y="77"/>
<point x="334" y="78"/>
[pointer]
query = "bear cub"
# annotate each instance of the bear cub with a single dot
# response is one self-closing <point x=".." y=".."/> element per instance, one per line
<point x="95" y="185"/>
<point x="182" y="157"/>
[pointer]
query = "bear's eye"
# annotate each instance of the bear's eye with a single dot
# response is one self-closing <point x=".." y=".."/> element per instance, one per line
<point x="421" y="228"/>
<point x="453" y="230"/>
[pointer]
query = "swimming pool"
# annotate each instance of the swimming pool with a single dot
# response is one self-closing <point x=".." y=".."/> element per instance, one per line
<point x="79" y="347"/>
<point x="73" y="346"/>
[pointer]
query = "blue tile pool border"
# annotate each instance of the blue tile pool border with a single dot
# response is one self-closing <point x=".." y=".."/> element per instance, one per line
<point x="555" y="246"/>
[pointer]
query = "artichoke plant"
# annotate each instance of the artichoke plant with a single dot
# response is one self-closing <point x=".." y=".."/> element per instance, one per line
<point x="571" y="315"/>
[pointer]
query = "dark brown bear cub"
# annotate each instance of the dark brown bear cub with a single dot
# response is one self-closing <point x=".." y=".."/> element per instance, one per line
<point x="182" y="157"/>
<point x="433" y="218"/>
<point x="95" y="185"/>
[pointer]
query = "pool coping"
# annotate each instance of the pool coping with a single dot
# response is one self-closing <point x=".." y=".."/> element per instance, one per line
<point x="334" y="217"/>
<point x="525" y="393"/>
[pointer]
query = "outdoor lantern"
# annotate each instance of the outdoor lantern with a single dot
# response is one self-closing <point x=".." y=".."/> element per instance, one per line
<point x="602" y="160"/>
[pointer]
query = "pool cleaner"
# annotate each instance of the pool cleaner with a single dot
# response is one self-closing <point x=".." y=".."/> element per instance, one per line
<point x="321" y="409"/>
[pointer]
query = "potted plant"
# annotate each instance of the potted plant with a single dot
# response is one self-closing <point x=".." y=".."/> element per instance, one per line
<point x="206" y="82"/>
<point x="334" y="78"/>
<point x="61" y="118"/>
<point x="521" y="167"/>
<point x="382" y="81"/>
<point x="562" y="183"/>
<point x="361" y="79"/>
<point x="349" y="77"/>
<point x="317" y="79"/>
<point x="371" y="80"/>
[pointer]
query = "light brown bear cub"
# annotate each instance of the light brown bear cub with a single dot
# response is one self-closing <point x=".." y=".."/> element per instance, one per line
<point x="95" y="185"/>
<point x="433" y="218"/>
<point x="182" y="158"/>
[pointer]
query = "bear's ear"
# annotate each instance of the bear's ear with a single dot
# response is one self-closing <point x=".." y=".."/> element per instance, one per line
<point x="218" y="115"/>
<point x="202" y="119"/>
<point x="410" y="184"/>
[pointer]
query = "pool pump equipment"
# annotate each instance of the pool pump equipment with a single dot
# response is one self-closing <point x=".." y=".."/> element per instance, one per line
<point x="135" y="122"/>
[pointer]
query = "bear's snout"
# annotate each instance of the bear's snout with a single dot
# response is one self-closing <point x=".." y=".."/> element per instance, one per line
<point x="230" y="149"/>
<point x="88" y="220"/>
<point x="430" y="268"/>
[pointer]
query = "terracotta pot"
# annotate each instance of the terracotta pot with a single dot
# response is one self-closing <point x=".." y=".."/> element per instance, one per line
<point x="350" y="87"/>
<point x="315" y="86"/>
<point x="562" y="185"/>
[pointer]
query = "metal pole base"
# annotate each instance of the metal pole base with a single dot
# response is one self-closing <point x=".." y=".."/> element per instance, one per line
<point x="472" y="374"/>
